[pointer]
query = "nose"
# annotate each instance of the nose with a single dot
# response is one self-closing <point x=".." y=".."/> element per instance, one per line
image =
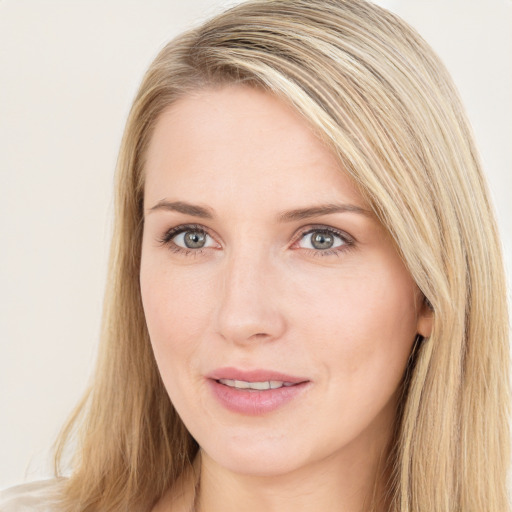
<point x="249" y="300"/>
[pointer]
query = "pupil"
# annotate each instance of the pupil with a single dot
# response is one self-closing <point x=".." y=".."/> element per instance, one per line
<point x="194" y="239"/>
<point x="322" y="240"/>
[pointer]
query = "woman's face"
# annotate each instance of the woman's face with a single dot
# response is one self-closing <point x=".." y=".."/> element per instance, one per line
<point x="262" y="267"/>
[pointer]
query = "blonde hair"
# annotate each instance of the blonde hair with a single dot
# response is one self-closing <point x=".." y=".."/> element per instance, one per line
<point x="374" y="91"/>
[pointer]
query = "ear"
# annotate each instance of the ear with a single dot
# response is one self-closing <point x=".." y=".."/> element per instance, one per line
<point x="425" y="318"/>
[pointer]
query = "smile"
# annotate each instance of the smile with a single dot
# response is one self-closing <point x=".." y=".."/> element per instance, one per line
<point x="255" y="386"/>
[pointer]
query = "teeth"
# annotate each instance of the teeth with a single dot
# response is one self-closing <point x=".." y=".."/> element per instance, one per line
<point x="259" y="386"/>
<point x="241" y="384"/>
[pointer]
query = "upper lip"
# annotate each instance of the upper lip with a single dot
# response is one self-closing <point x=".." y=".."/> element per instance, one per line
<point x="258" y="375"/>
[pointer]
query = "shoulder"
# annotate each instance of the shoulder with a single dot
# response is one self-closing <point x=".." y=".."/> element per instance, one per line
<point x="41" y="496"/>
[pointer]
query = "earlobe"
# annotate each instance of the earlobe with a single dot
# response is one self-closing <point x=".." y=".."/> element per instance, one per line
<point x="425" y="319"/>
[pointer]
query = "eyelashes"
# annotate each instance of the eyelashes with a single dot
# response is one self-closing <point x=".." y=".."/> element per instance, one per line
<point x="178" y="233"/>
<point x="318" y="240"/>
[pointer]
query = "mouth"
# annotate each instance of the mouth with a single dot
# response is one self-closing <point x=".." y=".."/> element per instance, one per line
<point x="258" y="380"/>
<point x="255" y="386"/>
<point x="255" y="392"/>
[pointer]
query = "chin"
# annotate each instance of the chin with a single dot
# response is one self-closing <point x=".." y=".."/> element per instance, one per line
<point x="264" y="458"/>
<point x="258" y="466"/>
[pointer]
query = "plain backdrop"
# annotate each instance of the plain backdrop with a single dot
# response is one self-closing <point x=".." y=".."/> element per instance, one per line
<point x="68" y="72"/>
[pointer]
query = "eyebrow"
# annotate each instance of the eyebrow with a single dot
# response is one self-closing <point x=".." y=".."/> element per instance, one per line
<point x="285" y="216"/>
<point x="316" y="211"/>
<point x="183" y="207"/>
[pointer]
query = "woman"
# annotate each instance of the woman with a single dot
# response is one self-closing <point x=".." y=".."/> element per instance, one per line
<point x="303" y="273"/>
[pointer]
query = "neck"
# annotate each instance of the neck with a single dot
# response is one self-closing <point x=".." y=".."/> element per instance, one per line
<point x="340" y="482"/>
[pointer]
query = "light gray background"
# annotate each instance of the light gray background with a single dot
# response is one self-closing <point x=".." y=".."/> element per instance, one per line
<point x="68" y="72"/>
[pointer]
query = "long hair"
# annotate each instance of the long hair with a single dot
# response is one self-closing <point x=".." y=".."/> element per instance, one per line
<point x="374" y="91"/>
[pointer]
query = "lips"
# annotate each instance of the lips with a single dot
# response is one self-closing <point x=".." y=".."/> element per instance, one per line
<point x="254" y="392"/>
<point x="230" y="373"/>
<point x="255" y="386"/>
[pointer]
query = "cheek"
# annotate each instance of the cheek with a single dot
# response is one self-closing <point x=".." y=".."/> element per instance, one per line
<point x="362" y="325"/>
<point x="177" y="307"/>
<point x="178" y="310"/>
<point x="359" y="336"/>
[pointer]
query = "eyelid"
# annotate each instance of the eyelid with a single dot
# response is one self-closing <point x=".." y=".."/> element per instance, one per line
<point x="306" y="230"/>
<point x="171" y="233"/>
<point x="348" y="240"/>
<point x="337" y="250"/>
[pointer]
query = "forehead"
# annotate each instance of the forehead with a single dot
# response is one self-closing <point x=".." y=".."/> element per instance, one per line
<point x="243" y="142"/>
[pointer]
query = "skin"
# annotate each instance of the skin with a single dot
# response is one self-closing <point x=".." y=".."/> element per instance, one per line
<point x="260" y="295"/>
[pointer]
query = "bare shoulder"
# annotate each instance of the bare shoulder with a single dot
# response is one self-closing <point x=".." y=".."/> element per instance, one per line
<point x="40" y="496"/>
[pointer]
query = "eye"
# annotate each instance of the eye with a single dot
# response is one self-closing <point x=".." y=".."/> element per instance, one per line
<point x="325" y="240"/>
<point x="191" y="239"/>
<point x="188" y="239"/>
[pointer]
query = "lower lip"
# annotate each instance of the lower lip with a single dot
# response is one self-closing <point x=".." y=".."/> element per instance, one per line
<point x="255" y="402"/>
